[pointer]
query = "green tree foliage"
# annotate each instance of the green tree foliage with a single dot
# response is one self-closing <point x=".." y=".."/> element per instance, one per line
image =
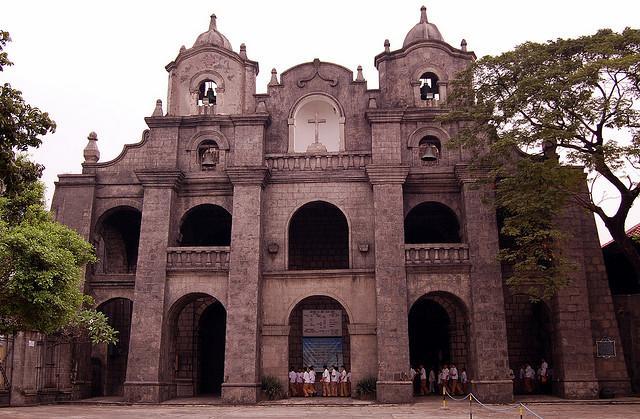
<point x="41" y="261"/>
<point x="529" y="114"/>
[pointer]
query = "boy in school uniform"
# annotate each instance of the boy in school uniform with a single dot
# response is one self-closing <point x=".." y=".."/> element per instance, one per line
<point x="307" y="381"/>
<point x="326" y="380"/>
<point x="423" y="380"/>
<point x="334" y="381"/>
<point x="343" y="382"/>
<point x="312" y="380"/>
<point x="300" y="383"/>
<point x="293" y="377"/>
<point x="432" y="381"/>
<point x="349" y="384"/>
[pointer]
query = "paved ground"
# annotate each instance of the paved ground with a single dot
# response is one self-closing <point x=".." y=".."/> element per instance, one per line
<point x="426" y="409"/>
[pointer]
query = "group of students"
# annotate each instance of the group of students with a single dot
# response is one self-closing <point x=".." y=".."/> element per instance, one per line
<point x="334" y="382"/>
<point x="456" y="382"/>
<point x="530" y="380"/>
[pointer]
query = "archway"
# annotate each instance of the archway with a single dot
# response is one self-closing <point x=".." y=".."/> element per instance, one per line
<point x="438" y="332"/>
<point x="109" y="362"/>
<point x="319" y="335"/>
<point x="431" y="222"/>
<point x="118" y="236"/>
<point x="197" y="327"/>
<point x="317" y="125"/>
<point x="318" y="238"/>
<point x="529" y="340"/>
<point x="206" y="225"/>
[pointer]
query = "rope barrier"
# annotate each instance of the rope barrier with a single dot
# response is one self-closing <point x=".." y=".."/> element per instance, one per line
<point x="521" y="407"/>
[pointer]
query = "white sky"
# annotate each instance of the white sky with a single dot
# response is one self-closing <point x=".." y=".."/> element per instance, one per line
<point x="99" y="66"/>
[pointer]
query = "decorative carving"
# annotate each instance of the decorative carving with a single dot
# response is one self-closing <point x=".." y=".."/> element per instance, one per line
<point x="316" y="73"/>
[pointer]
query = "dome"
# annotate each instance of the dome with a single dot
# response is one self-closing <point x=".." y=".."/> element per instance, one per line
<point x="213" y="37"/>
<point x="423" y="31"/>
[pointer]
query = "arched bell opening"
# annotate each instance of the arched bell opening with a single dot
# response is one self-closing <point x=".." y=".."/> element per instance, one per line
<point x="318" y="238"/>
<point x="431" y="222"/>
<point x="429" y="89"/>
<point x="197" y="332"/>
<point x="430" y="149"/>
<point x="207" y="93"/>
<point x="208" y="155"/>
<point x="206" y="225"/>
<point x="109" y="361"/>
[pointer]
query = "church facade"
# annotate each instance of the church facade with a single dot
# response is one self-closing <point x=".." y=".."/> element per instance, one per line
<point x="247" y="234"/>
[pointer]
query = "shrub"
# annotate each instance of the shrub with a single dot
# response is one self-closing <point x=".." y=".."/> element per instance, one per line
<point x="272" y="387"/>
<point x="366" y="386"/>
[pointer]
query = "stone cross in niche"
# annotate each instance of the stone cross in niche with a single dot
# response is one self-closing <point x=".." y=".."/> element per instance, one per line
<point x="317" y="122"/>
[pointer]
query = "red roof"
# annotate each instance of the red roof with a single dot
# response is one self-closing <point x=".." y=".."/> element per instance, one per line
<point x="633" y="231"/>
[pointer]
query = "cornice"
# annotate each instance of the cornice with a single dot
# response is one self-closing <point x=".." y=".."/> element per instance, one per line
<point x="384" y="115"/>
<point x="248" y="175"/>
<point x="441" y="45"/>
<point x="387" y="174"/>
<point x="158" y="178"/>
<point x="183" y="55"/>
<point x="301" y="176"/>
<point x="251" y="119"/>
<point x="74" y="180"/>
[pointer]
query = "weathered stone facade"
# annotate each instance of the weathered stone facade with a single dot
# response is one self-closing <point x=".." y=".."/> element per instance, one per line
<point x="302" y="197"/>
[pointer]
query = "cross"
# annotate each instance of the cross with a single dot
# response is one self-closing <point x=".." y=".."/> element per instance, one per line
<point x="317" y="122"/>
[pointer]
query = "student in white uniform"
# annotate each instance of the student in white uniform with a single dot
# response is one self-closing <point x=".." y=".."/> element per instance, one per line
<point x="307" y="381"/>
<point x="423" y="380"/>
<point x="349" y="384"/>
<point x="334" y="381"/>
<point x="432" y="381"/>
<point x="465" y="381"/>
<point x="343" y="382"/>
<point x="312" y="380"/>
<point x="326" y="380"/>
<point x="453" y="380"/>
<point x="445" y="377"/>
<point x="293" y="376"/>
<point x="300" y="383"/>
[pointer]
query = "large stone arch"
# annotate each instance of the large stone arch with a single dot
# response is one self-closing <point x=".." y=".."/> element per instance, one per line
<point x="432" y="222"/>
<point x="116" y="237"/>
<point x="205" y="224"/>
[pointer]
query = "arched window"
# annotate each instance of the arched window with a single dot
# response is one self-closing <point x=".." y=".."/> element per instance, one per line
<point x="207" y="93"/>
<point x="431" y="222"/>
<point x="316" y="125"/>
<point x="429" y="87"/>
<point x="318" y="238"/>
<point x="206" y="225"/>
<point x="118" y="239"/>
<point x="429" y="149"/>
<point x="208" y="155"/>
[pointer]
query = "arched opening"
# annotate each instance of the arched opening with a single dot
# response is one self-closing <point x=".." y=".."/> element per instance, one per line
<point x="530" y="343"/>
<point x="118" y="240"/>
<point x="208" y="155"/>
<point x="431" y="222"/>
<point x="319" y="335"/>
<point x="438" y="334"/>
<point x="109" y="362"/>
<point x="317" y="126"/>
<point x="197" y="345"/>
<point x="207" y="93"/>
<point x="429" y="89"/>
<point x="318" y="238"/>
<point x="206" y="225"/>
<point x="429" y="148"/>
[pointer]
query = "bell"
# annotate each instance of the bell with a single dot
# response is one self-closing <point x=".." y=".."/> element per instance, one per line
<point x="425" y="92"/>
<point x="430" y="153"/>
<point x="211" y="96"/>
<point x="210" y="158"/>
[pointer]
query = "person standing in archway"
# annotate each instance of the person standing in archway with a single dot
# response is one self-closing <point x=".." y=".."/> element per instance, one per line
<point x="432" y="381"/>
<point x="326" y="379"/>
<point x="293" y="377"/>
<point x="423" y="381"/>
<point x="334" y="381"/>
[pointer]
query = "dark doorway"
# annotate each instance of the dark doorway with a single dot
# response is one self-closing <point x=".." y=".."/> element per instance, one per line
<point x="431" y="222"/>
<point x="211" y="340"/>
<point x="206" y="225"/>
<point x="428" y="334"/>
<point x="318" y="238"/>
<point x="118" y="239"/>
<point x="118" y="312"/>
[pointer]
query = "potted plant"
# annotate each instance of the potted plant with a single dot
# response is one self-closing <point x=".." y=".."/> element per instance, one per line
<point x="272" y="388"/>
<point x="366" y="388"/>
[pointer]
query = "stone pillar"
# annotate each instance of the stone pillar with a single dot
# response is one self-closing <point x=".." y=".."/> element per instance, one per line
<point x="391" y="284"/>
<point x="488" y="340"/>
<point x="146" y="380"/>
<point x="242" y="352"/>
<point x="363" y="352"/>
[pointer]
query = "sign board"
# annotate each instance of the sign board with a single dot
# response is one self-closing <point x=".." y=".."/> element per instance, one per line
<point x="322" y="351"/>
<point x="606" y="348"/>
<point x="322" y="323"/>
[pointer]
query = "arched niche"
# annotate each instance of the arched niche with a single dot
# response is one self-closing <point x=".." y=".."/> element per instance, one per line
<point x="200" y="79"/>
<point x="316" y="113"/>
<point x="431" y="222"/>
<point x="205" y="225"/>
<point x="437" y="86"/>
<point x="417" y="138"/>
<point x="201" y="141"/>
<point x="117" y="239"/>
<point x="318" y="237"/>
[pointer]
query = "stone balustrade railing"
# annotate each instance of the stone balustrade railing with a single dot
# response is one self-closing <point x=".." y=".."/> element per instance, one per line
<point x="436" y="253"/>
<point x="326" y="161"/>
<point x="209" y="258"/>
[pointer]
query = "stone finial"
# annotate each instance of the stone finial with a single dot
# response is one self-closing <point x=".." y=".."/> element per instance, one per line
<point x="423" y="15"/>
<point x="212" y="24"/>
<point x="387" y="46"/>
<point x="91" y="152"/>
<point x="373" y="104"/>
<point x="182" y="49"/>
<point x="243" y="50"/>
<point x="274" y="78"/>
<point x="463" y="45"/>
<point x="261" y="107"/>
<point x="158" y="110"/>
<point x="360" y="77"/>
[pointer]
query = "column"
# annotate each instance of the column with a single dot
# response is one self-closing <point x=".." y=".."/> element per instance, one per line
<point x="488" y="340"/>
<point x="242" y="353"/>
<point x="391" y="284"/>
<point x="146" y="381"/>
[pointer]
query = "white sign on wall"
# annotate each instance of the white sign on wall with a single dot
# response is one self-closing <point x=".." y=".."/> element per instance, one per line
<point x="323" y="323"/>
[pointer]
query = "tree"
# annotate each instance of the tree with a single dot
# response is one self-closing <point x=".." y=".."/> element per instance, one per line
<point x="41" y="261"/>
<point x="539" y="116"/>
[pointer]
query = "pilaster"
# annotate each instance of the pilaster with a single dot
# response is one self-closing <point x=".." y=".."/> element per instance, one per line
<point x="146" y="373"/>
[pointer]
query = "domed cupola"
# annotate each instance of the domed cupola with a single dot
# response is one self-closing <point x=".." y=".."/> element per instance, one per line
<point x="423" y="31"/>
<point x="213" y="37"/>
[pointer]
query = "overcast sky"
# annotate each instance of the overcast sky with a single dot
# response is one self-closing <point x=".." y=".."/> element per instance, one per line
<point x="99" y="66"/>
